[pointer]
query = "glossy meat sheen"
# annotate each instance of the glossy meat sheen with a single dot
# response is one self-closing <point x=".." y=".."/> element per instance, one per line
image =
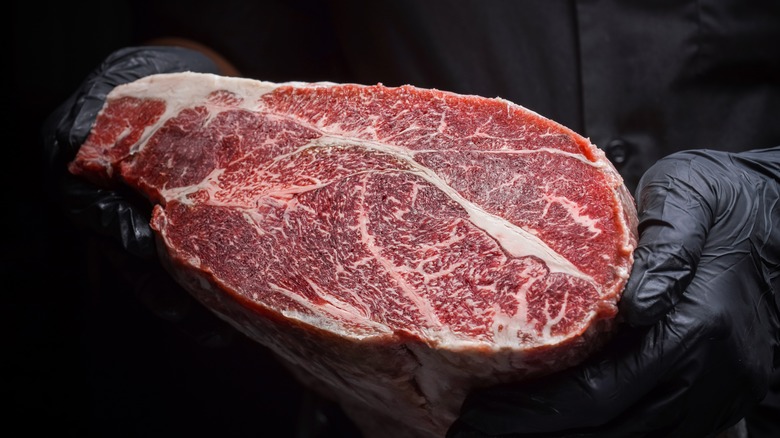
<point x="374" y="214"/>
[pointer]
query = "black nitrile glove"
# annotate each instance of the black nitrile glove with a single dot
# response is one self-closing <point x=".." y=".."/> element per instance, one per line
<point x="106" y="211"/>
<point x="702" y="330"/>
<point x="123" y="218"/>
<point x="119" y="214"/>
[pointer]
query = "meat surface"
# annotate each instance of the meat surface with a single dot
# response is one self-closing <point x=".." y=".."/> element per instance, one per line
<point x="396" y="247"/>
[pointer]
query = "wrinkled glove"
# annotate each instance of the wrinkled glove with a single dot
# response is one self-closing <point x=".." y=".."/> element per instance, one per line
<point x="702" y="325"/>
<point x="119" y="214"/>
<point x="107" y="211"/>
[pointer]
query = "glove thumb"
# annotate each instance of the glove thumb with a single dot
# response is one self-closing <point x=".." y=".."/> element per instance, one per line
<point x="674" y="218"/>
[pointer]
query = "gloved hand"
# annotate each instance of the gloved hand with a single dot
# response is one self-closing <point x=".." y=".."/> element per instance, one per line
<point x="118" y="214"/>
<point x="702" y="325"/>
<point x="106" y="211"/>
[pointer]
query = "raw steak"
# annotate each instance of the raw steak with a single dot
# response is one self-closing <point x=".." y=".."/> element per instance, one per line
<point x="396" y="247"/>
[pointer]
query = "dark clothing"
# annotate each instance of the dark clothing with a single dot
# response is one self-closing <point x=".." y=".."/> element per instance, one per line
<point x="641" y="79"/>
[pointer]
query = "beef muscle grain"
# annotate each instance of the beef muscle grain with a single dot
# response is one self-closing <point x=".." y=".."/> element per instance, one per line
<point x="396" y="247"/>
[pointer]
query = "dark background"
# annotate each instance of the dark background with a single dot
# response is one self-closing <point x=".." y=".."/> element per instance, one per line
<point x="89" y="356"/>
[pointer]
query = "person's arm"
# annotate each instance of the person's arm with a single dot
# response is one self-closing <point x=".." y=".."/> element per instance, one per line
<point x="702" y="306"/>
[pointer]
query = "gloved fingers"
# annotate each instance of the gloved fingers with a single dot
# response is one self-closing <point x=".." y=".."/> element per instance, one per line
<point x="124" y="66"/>
<point x="765" y="163"/>
<point x="694" y="366"/>
<point x="108" y="211"/>
<point x="574" y="401"/>
<point x="692" y="196"/>
<point x="675" y="215"/>
<point x="650" y="381"/>
<point x="68" y="126"/>
<point x="617" y="397"/>
<point x="119" y="216"/>
<point x="725" y="349"/>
